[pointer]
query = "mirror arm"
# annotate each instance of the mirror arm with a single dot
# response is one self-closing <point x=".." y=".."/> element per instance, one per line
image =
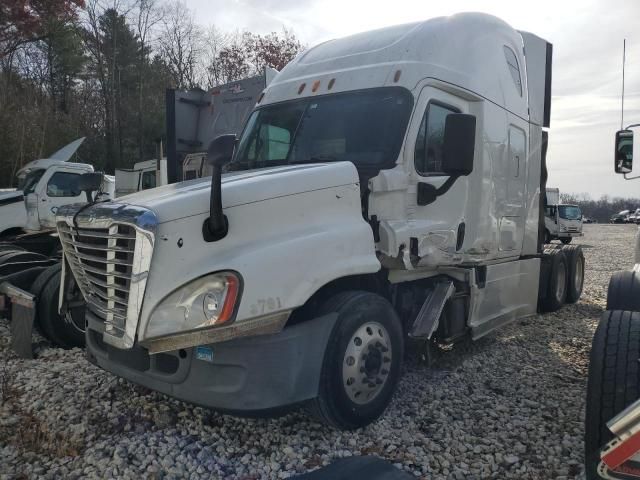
<point x="428" y="194"/>
<point x="630" y="178"/>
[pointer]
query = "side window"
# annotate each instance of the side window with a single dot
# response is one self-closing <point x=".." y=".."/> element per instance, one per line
<point x="148" y="180"/>
<point x="428" y="152"/>
<point x="63" y="184"/>
<point x="514" y="69"/>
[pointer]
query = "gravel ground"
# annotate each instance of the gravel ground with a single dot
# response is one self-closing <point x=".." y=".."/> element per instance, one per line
<point x="508" y="406"/>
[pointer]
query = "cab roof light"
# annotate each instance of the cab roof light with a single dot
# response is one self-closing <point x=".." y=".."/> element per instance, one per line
<point x="301" y="88"/>
<point x="396" y="77"/>
<point x="260" y="97"/>
<point x="331" y="82"/>
<point x="315" y="86"/>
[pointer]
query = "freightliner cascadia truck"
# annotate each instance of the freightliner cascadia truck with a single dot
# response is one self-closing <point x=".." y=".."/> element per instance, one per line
<point x="385" y="189"/>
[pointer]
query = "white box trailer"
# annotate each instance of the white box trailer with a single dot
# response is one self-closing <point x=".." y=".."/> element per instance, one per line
<point x="386" y="184"/>
<point x="196" y="117"/>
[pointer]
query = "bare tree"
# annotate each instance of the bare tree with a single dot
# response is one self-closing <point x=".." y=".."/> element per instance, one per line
<point x="147" y="15"/>
<point x="180" y="45"/>
<point x="214" y="43"/>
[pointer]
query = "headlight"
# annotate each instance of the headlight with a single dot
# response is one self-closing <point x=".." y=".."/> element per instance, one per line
<point x="206" y="302"/>
<point x="563" y="228"/>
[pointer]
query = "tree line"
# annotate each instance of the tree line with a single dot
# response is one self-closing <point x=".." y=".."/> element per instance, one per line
<point x="100" y="68"/>
<point x="601" y="209"/>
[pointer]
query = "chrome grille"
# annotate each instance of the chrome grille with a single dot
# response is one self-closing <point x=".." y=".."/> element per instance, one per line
<point x="101" y="260"/>
<point x="108" y="248"/>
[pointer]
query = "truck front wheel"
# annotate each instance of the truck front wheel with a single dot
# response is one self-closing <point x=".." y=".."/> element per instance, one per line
<point x="361" y="365"/>
<point x="566" y="240"/>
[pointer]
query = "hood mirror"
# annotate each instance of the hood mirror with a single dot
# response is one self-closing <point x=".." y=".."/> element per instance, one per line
<point x="220" y="150"/>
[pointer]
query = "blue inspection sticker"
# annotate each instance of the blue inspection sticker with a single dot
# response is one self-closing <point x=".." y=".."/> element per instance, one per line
<point x="204" y="353"/>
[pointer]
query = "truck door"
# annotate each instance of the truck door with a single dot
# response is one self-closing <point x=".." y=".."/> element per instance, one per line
<point x="513" y="218"/>
<point x="58" y="187"/>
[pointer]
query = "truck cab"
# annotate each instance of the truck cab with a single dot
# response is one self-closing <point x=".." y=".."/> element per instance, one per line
<point x="386" y="187"/>
<point x="144" y="175"/>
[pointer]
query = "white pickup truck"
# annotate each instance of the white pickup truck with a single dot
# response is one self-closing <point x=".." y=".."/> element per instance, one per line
<point x="44" y="185"/>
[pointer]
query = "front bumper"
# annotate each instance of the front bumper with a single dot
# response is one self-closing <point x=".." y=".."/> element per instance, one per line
<point x="569" y="234"/>
<point x="244" y="375"/>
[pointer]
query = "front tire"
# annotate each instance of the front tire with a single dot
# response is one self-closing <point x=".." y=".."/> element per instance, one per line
<point x="361" y="365"/>
<point x="624" y="291"/>
<point x="566" y="240"/>
<point x="614" y="380"/>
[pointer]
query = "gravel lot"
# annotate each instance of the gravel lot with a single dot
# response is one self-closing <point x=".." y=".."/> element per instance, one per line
<point x="508" y="406"/>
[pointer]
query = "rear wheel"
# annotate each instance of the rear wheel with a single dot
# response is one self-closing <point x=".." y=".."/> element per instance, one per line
<point x="66" y="330"/>
<point x="361" y="365"/>
<point x="575" y="265"/>
<point x="614" y="379"/>
<point x="556" y="293"/>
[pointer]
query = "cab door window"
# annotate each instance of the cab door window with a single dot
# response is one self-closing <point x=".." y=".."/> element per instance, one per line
<point x="63" y="184"/>
<point x="428" y="151"/>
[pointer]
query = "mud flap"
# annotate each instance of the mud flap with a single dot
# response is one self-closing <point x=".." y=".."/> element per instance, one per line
<point x="23" y="312"/>
<point x="620" y="458"/>
<point x="427" y="320"/>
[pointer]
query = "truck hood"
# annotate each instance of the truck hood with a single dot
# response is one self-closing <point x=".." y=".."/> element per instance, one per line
<point x="184" y="199"/>
<point x="10" y="196"/>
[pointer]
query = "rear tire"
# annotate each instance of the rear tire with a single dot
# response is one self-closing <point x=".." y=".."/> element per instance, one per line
<point x="624" y="291"/>
<point x="361" y="365"/>
<point x="38" y="285"/>
<point x="575" y="264"/>
<point x="614" y="379"/>
<point x="66" y="331"/>
<point x="556" y="293"/>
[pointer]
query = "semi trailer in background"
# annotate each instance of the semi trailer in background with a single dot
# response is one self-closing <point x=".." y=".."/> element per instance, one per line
<point x="382" y="191"/>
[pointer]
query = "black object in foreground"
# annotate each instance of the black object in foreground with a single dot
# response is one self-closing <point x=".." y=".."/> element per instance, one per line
<point x="357" y="468"/>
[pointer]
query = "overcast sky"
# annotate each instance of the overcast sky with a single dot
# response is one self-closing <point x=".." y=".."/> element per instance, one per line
<point x="587" y="39"/>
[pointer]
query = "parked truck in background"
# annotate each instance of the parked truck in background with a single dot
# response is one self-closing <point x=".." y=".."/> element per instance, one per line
<point x="562" y="221"/>
<point x="386" y="187"/>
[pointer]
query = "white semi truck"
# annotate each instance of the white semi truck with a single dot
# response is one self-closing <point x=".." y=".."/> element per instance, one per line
<point x="385" y="187"/>
<point x="562" y="221"/>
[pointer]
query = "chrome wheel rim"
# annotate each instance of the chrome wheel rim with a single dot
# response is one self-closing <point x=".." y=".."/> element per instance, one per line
<point x="579" y="274"/>
<point x="366" y="363"/>
<point x="561" y="281"/>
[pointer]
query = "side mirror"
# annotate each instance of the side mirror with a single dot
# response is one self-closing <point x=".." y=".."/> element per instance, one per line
<point x="623" y="161"/>
<point x="459" y="143"/>
<point x="90" y="182"/>
<point x="221" y="149"/>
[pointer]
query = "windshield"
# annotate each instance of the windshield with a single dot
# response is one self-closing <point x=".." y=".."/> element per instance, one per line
<point x="364" y="127"/>
<point x="569" y="212"/>
<point x="31" y="180"/>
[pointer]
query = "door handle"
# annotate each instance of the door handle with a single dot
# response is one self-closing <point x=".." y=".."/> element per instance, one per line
<point x="43" y="200"/>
